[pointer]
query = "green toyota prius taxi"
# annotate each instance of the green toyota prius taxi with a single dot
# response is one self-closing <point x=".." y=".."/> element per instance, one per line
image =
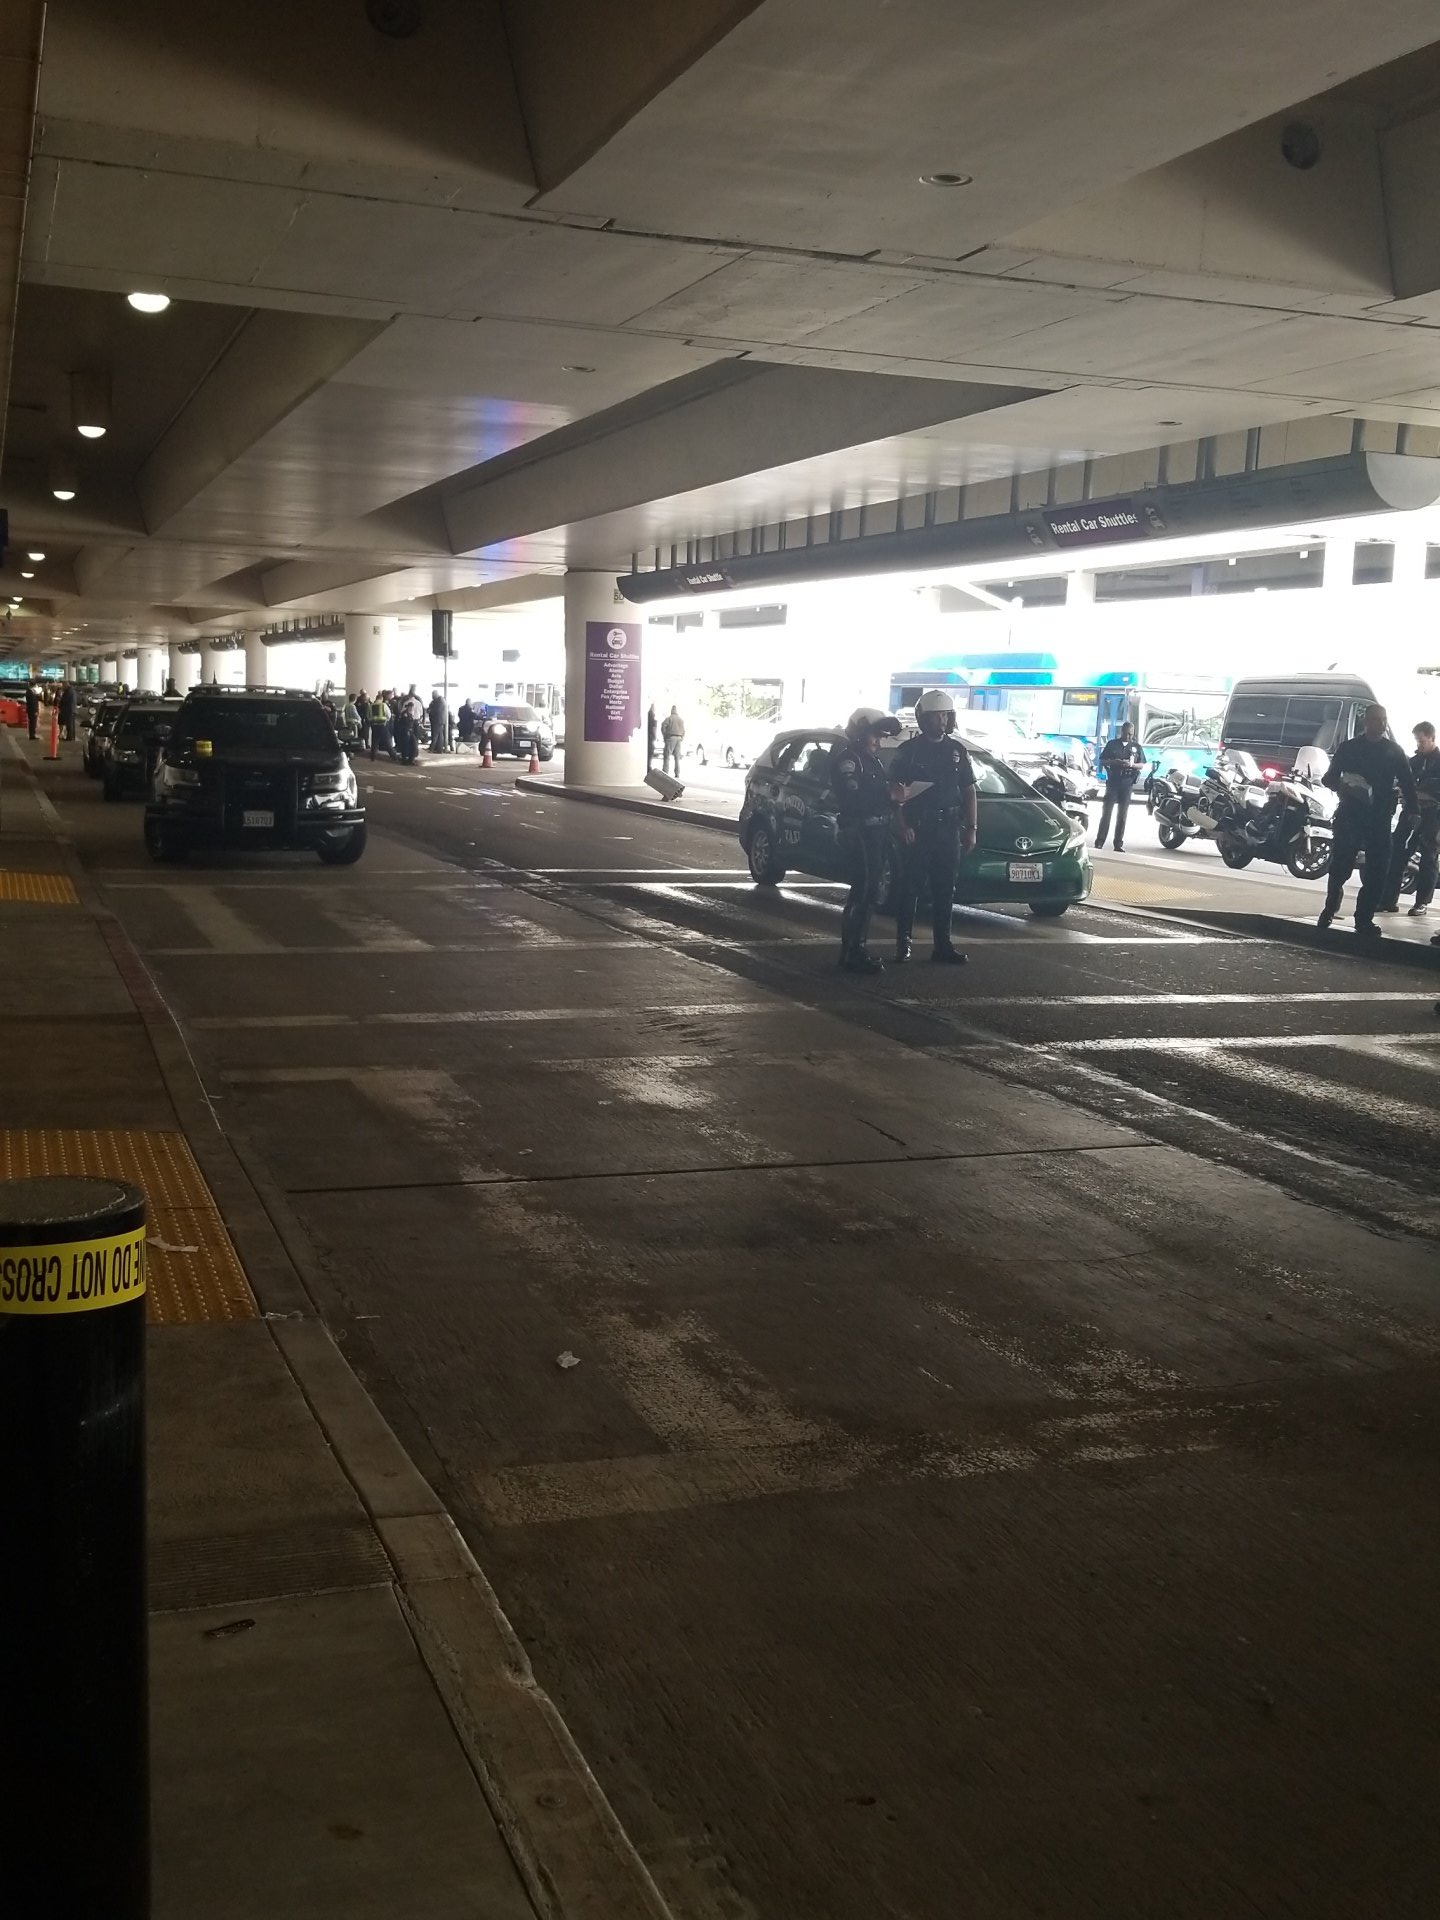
<point x="1026" y="853"/>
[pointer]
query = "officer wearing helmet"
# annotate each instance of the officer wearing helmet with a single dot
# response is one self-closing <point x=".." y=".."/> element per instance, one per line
<point x="933" y="788"/>
<point x="862" y="793"/>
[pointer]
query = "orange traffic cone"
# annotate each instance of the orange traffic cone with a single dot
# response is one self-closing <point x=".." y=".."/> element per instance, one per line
<point x="487" y="759"/>
<point x="54" y="753"/>
<point x="534" y="766"/>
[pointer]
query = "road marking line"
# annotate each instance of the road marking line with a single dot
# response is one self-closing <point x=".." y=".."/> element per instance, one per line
<point x="1141" y="998"/>
<point x="226" y="930"/>
<point x="487" y="1016"/>
<point x="1219" y="1044"/>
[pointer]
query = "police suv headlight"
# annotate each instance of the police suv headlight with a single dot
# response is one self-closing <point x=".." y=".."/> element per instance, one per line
<point x="342" y="781"/>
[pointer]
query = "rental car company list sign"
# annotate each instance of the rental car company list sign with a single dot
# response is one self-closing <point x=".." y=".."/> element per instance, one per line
<point x="612" y="680"/>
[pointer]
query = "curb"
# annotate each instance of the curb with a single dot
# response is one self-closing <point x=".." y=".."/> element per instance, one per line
<point x="659" y="809"/>
<point x="569" y="1848"/>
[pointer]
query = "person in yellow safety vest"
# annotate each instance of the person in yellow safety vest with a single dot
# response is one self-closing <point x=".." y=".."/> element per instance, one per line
<point x="379" y="725"/>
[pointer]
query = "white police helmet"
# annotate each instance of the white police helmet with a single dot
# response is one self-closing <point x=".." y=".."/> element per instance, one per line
<point x="870" y="720"/>
<point x="936" y="700"/>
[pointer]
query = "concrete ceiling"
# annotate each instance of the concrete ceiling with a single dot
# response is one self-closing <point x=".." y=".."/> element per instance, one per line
<point x="549" y="282"/>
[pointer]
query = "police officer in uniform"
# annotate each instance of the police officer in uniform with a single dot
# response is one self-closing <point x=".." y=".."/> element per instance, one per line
<point x="1419" y="829"/>
<point x="862" y="791"/>
<point x="936" y="822"/>
<point x="1364" y="772"/>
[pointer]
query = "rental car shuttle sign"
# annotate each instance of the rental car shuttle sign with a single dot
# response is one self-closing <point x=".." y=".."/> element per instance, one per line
<point x="612" y="680"/>
<point x="1098" y="523"/>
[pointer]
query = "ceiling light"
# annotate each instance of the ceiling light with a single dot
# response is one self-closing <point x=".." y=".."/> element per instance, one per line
<point x="26" y="575"/>
<point x="946" y="179"/>
<point x="90" y="403"/>
<point x="1167" y="423"/>
<point x="35" y="554"/>
<point x="1304" y="553"/>
<point x="149" y="302"/>
<point x="576" y="369"/>
<point x="63" y="493"/>
<point x="1230" y="562"/>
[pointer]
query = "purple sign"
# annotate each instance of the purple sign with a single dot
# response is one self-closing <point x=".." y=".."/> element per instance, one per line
<point x="612" y="680"/>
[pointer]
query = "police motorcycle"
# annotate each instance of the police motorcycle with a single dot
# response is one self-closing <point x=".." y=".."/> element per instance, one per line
<point x="1064" y="787"/>
<point x="1289" y="819"/>
<point x="1190" y="808"/>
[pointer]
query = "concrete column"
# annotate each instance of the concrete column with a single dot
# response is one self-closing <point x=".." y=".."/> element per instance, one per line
<point x="149" y="670"/>
<point x="214" y="663"/>
<point x="1080" y="588"/>
<point x="184" y="669"/>
<point x="1412" y="551"/>
<point x="110" y="666"/>
<point x="1339" y="564"/>
<point x="257" y="662"/>
<point x="370" y="653"/>
<point x="594" y="756"/>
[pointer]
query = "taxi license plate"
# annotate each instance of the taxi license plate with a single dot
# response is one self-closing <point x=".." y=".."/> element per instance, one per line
<point x="1022" y="871"/>
<point x="257" y="817"/>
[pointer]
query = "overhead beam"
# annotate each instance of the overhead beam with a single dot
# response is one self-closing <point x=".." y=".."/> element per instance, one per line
<point x="22" y="32"/>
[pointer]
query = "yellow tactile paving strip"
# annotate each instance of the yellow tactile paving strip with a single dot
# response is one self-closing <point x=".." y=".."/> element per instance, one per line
<point x="193" y="1272"/>
<point x="38" y="889"/>
<point x="1142" y="893"/>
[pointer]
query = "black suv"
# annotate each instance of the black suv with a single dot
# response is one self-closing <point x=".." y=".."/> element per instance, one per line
<point x="102" y="723"/>
<point x="254" y="767"/>
<point x="130" y="755"/>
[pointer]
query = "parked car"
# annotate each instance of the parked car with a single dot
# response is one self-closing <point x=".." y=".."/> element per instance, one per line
<point x="1027" y="852"/>
<point x="517" y="729"/>
<point x="728" y="743"/>
<point x="102" y="723"/>
<point x="254" y="769"/>
<point x="132" y="751"/>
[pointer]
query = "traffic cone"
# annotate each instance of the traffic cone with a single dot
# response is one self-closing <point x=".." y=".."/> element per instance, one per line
<point x="54" y="753"/>
<point x="534" y="766"/>
<point x="487" y="759"/>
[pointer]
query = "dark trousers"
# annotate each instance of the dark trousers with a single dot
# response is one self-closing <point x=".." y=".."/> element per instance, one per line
<point x="933" y="855"/>
<point x="32" y="720"/>
<point x="864" y="849"/>
<point x="1116" y="804"/>
<point x="1367" y="833"/>
<point x="1416" y="833"/>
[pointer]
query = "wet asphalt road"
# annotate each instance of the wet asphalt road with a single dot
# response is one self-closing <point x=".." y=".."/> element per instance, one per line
<point x="1000" y="1474"/>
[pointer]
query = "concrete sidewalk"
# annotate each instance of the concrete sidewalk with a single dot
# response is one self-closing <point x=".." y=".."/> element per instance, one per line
<point x="343" y="1723"/>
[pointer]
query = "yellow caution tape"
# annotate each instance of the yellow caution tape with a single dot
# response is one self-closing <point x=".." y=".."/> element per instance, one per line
<point x="73" y="1276"/>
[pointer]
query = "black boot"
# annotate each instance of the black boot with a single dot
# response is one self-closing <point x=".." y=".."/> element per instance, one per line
<point x="859" y="961"/>
<point x="902" y="948"/>
<point x="950" y="956"/>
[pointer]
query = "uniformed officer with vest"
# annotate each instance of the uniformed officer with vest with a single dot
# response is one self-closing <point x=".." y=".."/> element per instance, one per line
<point x="932" y="783"/>
<point x="862" y="792"/>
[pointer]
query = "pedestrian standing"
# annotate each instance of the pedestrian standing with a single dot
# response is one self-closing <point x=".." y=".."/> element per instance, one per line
<point x="380" y="726"/>
<point x="1122" y="762"/>
<point x="1365" y="772"/>
<point x="1419" y="830"/>
<point x="672" y="733"/>
<point x="439" y="724"/>
<point x="67" y="711"/>
<point x="862" y="793"/>
<point x="932" y="785"/>
<point x="32" y="709"/>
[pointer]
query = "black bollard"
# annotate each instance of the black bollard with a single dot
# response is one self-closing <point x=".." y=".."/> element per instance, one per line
<point x="74" y="1708"/>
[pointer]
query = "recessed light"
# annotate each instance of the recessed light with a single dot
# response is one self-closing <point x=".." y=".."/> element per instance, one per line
<point x="149" y="302"/>
<point x="91" y="433"/>
<point x="1167" y="423"/>
<point x="35" y="554"/>
<point x="946" y="179"/>
<point x="1230" y="562"/>
<point x="1304" y="553"/>
<point x="576" y="369"/>
<point x="63" y="493"/>
<point x="25" y="575"/>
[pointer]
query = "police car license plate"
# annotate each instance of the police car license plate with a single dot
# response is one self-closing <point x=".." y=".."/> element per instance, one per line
<point x="1022" y="871"/>
<point x="257" y="817"/>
